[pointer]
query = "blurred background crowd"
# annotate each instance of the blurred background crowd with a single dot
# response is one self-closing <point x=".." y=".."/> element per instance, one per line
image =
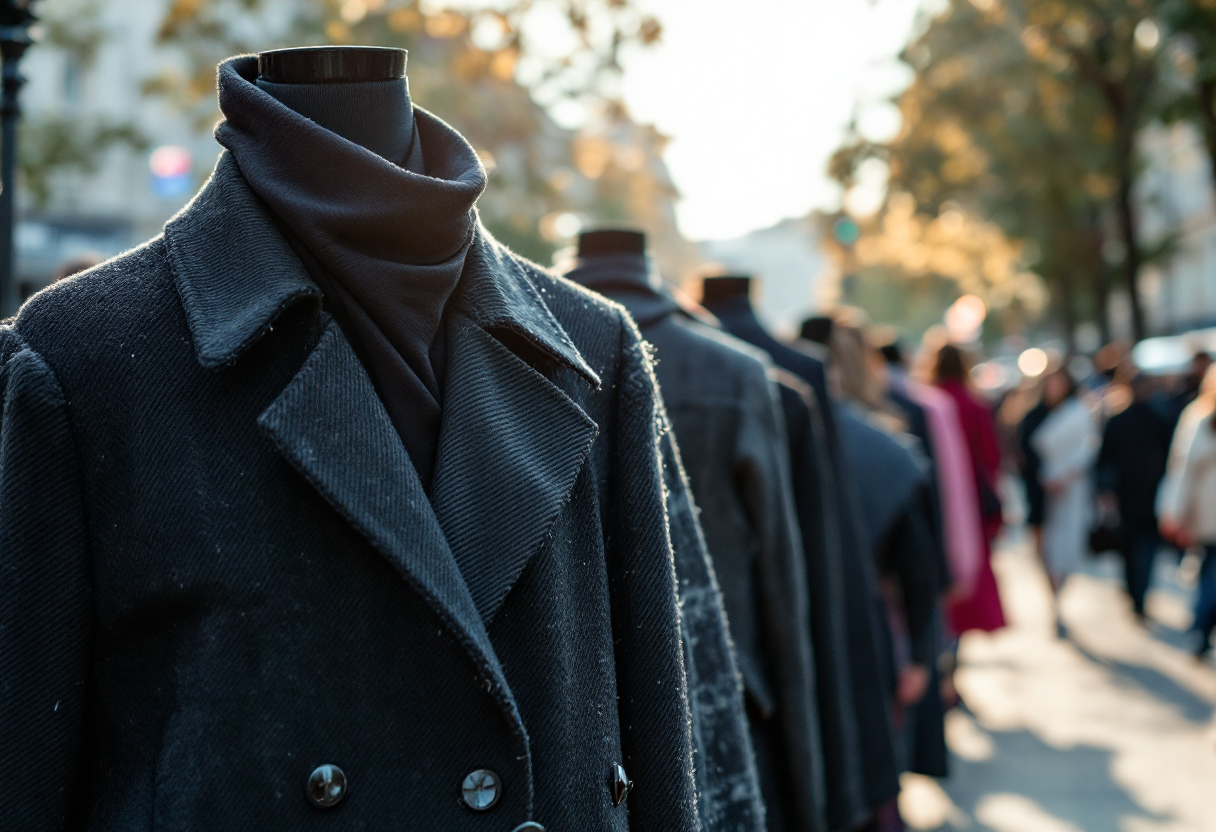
<point x="995" y="216"/>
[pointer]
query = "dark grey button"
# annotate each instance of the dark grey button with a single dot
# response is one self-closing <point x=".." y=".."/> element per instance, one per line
<point x="619" y="783"/>
<point x="530" y="826"/>
<point x="326" y="786"/>
<point x="480" y="789"/>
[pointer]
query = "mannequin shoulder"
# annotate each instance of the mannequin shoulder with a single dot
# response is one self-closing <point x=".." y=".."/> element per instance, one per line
<point x="110" y="303"/>
<point x="723" y="350"/>
<point x="130" y="284"/>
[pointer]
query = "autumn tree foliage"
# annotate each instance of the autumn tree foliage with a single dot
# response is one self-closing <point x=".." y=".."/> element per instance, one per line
<point x="1025" y="113"/>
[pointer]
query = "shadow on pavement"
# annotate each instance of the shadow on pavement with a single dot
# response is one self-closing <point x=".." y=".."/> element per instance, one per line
<point x="1029" y="786"/>
<point x="1159" y="685"/>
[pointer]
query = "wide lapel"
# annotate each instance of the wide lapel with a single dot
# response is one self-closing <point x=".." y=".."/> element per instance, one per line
<point x="330" y="425"/>
<point x="510" y="449"/>
<point x="235" y="274"/>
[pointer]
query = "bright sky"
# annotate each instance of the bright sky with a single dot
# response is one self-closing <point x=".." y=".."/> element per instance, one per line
<point x="756" y="94"/>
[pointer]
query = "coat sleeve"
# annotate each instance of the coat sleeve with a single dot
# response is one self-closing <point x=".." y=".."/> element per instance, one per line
<point x="907" y="554"/>
<point x="728" y="787"/>
<point x="44" y="594"/>
<point x="651" y="682"/>
<point x="762" y="471"/>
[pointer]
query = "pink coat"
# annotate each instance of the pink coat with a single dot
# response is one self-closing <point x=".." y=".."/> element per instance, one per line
<point x="962" y="529"/>
<point x="981" y="608"/>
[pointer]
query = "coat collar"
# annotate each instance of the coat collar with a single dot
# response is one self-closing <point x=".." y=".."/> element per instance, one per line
<point x="236" y="273"/>
<point x="512" y="443"/>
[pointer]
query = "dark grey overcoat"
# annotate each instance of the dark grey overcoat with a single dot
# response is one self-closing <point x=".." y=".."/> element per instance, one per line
<point x="220" y="570"/>
<point x="728" y="425"/>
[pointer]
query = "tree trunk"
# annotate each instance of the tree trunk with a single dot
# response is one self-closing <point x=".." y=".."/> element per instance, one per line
<point x="1099" y="283"/>
<point x="1068" y="309"/>
<point x="1126" y="217"/>
<point x="1101" y="300"/>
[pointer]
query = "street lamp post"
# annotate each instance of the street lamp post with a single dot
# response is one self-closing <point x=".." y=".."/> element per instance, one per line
<point x="15" y="20"/>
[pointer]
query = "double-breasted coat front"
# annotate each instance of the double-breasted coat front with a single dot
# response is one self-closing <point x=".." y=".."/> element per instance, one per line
<point x="221" y="573"/>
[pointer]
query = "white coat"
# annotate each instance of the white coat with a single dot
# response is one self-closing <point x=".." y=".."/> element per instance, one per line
<point x="1188" y="493"/>
<point x="1067" y="442"/>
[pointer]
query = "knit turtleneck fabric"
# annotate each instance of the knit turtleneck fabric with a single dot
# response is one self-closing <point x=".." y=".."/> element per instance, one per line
<point x="376" y="115"/>
<point x="385" y="240"/>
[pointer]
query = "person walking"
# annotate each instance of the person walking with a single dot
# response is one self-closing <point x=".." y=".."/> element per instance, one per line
<point x="1131" y="465"/>
<point x="981" y="608"/>
<point x="1067" y="443"/>
<point x="1029" y="466"/>
<point x="1187" y="496"/>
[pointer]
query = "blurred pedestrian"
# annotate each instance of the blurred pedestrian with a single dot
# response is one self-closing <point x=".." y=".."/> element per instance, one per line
<point x="1131" y="464"/>
<point x="1187" y="502"/>
<point x="1028" y="467"/>
<point x="1067" y="443"/>
<point x="1201" y="361"/>
<point x="981" y="609"/>
<point x="961" y="529"/>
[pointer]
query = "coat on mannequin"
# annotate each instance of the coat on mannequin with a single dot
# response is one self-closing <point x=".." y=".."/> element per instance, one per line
<point x="231" y="599"/>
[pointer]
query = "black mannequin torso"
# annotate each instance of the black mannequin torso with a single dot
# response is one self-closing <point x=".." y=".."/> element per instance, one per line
<point x="358" y="92"/>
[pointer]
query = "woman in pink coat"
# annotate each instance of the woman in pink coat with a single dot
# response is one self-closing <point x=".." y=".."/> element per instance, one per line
<point x="981" y="609"/>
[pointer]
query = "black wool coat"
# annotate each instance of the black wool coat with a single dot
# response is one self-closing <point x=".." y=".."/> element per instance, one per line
<point x="220" y="570"/>
<point x="729" y="429"/>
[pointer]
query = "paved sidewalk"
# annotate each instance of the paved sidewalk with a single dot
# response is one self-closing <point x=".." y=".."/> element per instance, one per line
<point x="1110" y="730"/>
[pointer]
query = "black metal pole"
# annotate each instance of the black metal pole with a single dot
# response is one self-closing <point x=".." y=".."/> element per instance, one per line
<point x="14" y="40"/>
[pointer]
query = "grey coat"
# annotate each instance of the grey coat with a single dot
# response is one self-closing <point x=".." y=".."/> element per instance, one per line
<point x="221" y="570"/>
<point x="728" y="425"/>
<point x="866" y="627"/>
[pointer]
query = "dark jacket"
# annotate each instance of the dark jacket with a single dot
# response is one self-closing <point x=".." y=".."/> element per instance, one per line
<point x="818" y="518"/>
<point x="221" y="570"/>
<point x="1132" y="462"/>
<point x="866" y="628"/>
<point x="729" y="429"/>
<point x="1029" y="464"/>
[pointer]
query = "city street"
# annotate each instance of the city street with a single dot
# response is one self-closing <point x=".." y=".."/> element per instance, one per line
<point x="1110" y="730"/>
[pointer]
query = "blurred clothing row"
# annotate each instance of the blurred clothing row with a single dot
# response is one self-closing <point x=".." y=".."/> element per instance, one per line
<point x="841" y="506"/>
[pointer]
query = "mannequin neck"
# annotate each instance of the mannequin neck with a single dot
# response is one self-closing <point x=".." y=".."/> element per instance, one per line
<point x="727" y="290"/>
<point x="376" y="115"/>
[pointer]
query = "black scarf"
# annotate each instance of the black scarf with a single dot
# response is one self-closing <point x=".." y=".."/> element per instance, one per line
<point x="385" y="240"/>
